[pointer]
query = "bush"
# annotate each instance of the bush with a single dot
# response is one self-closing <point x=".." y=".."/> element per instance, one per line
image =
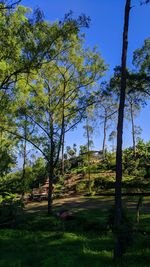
<point x="79" y="170"/>
<point x="141" y="172"/>
<point x="103" y="183"/>
<point x="81" y="186"/>
<point x="10" y="208"/>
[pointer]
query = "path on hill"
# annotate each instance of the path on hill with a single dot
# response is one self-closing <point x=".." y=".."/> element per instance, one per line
<point x="83" y="203"/>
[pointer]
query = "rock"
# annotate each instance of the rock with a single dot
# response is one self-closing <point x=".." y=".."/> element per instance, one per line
<point x="65" y="215"/>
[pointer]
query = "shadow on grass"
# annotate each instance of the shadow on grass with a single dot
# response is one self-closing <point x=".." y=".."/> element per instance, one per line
<point x="74" y="203"/>
<point x="37" y="240"/>
<point x="48" y="249"/>
<point x="23" y="248"/>
<point x="82" y="221"/>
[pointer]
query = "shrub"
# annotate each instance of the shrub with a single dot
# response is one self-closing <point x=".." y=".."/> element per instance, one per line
<point x="10" y="207"/>
<point x="103" y="183"/>
<point x="79" y="170"/>
<point x="81" y="186"/>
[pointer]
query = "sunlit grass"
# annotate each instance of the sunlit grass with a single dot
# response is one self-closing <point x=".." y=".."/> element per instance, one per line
<point x="41" y="241"/>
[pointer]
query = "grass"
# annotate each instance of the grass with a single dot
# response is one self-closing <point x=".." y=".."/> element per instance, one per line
<point x="37" y="240"/>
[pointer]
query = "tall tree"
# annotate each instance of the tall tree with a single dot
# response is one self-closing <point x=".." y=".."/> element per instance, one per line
<point x="76" y="71"/>
<point x="118" y="187"/>
<point x="134" y="109"/>
<point x="105" y="111"/>
<point x="88" y="134"/>
<point x="61" y="80"/>
<point x="26" y="130"/>
<point x="134" y="98"/>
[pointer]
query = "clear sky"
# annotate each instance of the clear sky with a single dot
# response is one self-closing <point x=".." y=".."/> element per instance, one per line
<point x="106" y="33"/>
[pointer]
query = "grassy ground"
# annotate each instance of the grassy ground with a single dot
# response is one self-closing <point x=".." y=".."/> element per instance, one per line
<point x="37" y="240"/>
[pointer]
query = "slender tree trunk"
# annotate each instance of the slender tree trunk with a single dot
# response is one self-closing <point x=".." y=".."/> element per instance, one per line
<point x="118" y="184"/>
<point x="88" y="148"/>
<point x="63" y="125"/>
<point x="24" y="156"/>
<point x="51" y="168"/>
<point x="133" y="129"/>
<point x="24" y="166"/>
<point x="50" y="188"/>
<point x="51" y="154"/>
<point x="139" y="204"/>
<point x="62" y="155"/>
<point x="104" y="137"/>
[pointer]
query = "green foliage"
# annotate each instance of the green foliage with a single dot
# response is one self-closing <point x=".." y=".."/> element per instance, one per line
<point x="83" y="149"/>
<point x="7" y="155"/>
<point x="141" y="57"/>
<point x="10" y="208"/>
<point x="71" y="152"/>
<point x="103" y="183"/>
<point x="109" y="163"/>
<point x="137" y="165"/>
<point x="39" y="173"/>
<point x="35" y="176"/>
<point x="81" y="186"/>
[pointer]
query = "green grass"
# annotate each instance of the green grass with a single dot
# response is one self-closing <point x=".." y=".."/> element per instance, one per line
<point x="37" y="240"/>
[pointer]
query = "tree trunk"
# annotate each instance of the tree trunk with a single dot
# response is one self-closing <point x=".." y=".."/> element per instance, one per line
<point x="51" y="158"/>
<point x="24" y="167"/>
<point x="104" y="137"/>
<point x="62" y="155"/>
<point x="50" y="188"/>
<point x="24" y="156"/>
<point x="139" y="204"/>
<point x="63" y="125"/>
<point x="88" y="150"/>
<point x="133" y="129"/>
<point x="118" y="184"/>
<point x="51" y="167"/>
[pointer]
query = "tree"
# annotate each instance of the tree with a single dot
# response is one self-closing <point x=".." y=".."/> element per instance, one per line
<point x="112" y="137"/>
<point x="118" y="198"/>
<point x="24" y="153"/>
<point x="134" y="108"/>
<point x="77" y="69"/>
<point x="105" y="110"/>
<point x="53" y="96"/>
<point x="88" y="134"/>
<point x="24" y="46"/>
<point x="141" y="60"/>
<point x="48" y="113"/>
<point x="135" y="99"/>
<point x="83" y="149"/>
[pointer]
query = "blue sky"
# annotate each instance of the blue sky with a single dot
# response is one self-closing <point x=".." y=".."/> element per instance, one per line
<point x="106" y="33"/>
